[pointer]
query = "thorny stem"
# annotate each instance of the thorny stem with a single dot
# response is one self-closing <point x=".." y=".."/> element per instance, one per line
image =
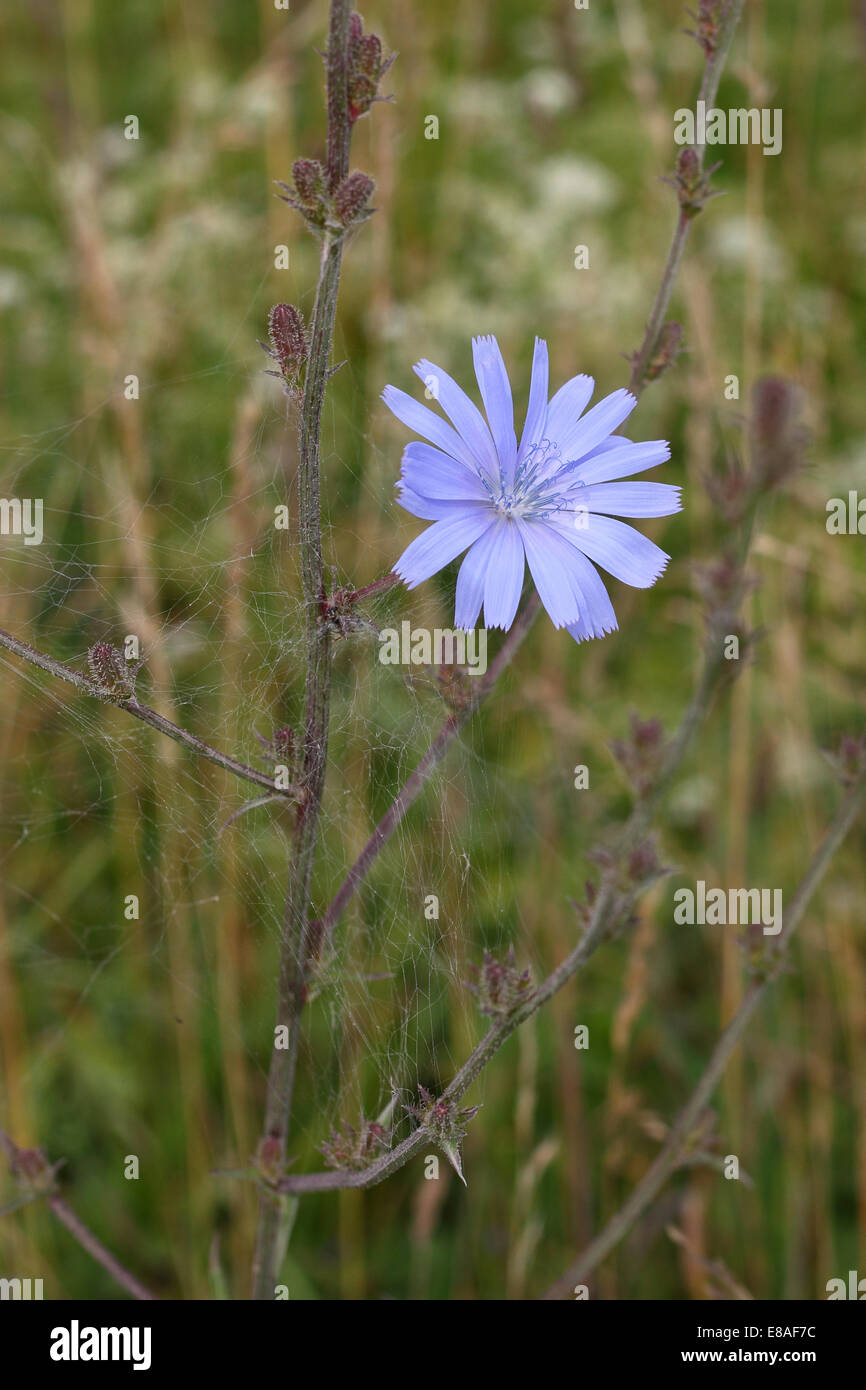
<point x="146" y="715"/>
<point x="291" y="989"/>
<point x="85" y="1237"/>
<point x="668" y="1159"/>
<point x="709" y="87"/>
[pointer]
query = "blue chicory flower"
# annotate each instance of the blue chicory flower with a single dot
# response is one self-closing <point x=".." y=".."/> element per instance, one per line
<point x="550" y="500"/>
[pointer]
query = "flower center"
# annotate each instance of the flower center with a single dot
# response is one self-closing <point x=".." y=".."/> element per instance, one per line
<point x="535" y="492"/>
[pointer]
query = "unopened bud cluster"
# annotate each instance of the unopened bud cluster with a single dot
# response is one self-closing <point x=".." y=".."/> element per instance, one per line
<point x="627" y="873"/>
<point x="777" y="436"/>
<point x="640" y="753"/>
<point x="691" y="182"/>
<point x="777" y="442"/>
<point x="708" y="20"/>
<point x="442" y="1119"/>
<point x="498" y="985"/>
<point x="324" y="211"/>
<point x="849" y="759"/>
<point x="367" y="67"/>
<point x="32" y="1171"/>
<point x="354" y="1149"/>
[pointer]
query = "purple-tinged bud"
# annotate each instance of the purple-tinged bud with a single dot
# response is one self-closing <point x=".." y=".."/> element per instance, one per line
<point x="369" y="55"/>
<point x="354" y="1149"/>
<point x="640" y="753"/>
<point x="691" y="182"/>
<point x="309" y="180"/>
<point x="110" y="671"/>
<point x="366" y="68"/>
<point x="445" y="1124"/>
<point x="288" y="337"/>
<point x="362" y="94"/>
<point x="709" y="20"/>
<point x="584" y="911"/>
<point x="688" y="166"/>
<point x="498" y="985"/>
<point x="307" y="193"/>
<point x="723" y="585"/>
<point x="777" y="436"/>
<point x="849" y="760"/>
<point x="644" y="866"/>
<point x="729" y="488"/>
<point x="351" y="198"/>
<point x="31" y="1169"/>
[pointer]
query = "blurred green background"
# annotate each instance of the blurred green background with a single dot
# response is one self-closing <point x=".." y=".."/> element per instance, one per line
<point x="156" y="258"/>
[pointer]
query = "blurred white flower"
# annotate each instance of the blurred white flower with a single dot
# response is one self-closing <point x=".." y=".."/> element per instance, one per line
<point x="569" y="184"/>
<point x="735" y="241"/>
<point x="549" y="90"/>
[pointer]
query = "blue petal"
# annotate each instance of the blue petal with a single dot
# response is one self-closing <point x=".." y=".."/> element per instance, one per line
<point x="536" y="411"/>
<point x="441" y="543"/>
<point x="504" y="582"/>
<point x="549" y="574"/>
<point x="471" y="579"/>
<point x="594" y="609"/>
<point x="597" y="617"/>
<point x="596" y="425"/>
<point x="567" y="406"/>
<point x="429" y="508"/>
<point x="621" y="550"/>
<point x="423" y="421"/>
<point x="620" y="458"/>
<point x="629" y="499"/>
<point x="463" y="414"/>
<point x="431" y="473"/>
<point x="496" y="394"/>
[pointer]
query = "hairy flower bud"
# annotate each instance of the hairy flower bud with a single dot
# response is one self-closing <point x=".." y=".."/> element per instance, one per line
<point x="32" y="1171"/>
<point x="777" y="436"/>
<point x="309" y="180"/>
<point x="369" y="54"/>
<point x="110" y="671"/>
<point x="351" y="198"/>
<point x="498" y="985"/>
<point x="288" y="337"/>
<point x="362" y="94"/>
<point x="709" y="20"/>
<point x="354" y="1149"/>
<point x="691" y="182"/>
<point x="849" y="760"/>
<point x="366" y="67"/>
<point x="640" y="753"/>
<point x="307" y="193"/>
<point x="445" y="1124"/>
<point x="729" y="488"/>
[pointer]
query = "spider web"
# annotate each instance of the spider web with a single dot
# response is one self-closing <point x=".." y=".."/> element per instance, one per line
<point x="220" y="624"/>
